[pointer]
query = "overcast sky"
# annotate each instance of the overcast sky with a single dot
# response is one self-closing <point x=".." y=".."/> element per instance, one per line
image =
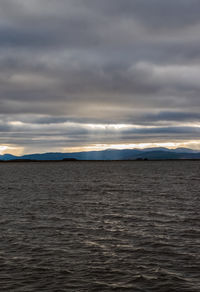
<point x="92" y="74"/>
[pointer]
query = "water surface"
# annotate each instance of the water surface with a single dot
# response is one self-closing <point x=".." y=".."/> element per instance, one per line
<point x="100" y="226"/>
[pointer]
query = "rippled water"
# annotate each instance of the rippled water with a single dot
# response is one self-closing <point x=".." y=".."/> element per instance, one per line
<point x="100" y="226"/>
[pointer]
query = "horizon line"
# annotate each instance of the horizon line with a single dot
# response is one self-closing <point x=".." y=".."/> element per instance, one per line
<point x="111" y="149"/>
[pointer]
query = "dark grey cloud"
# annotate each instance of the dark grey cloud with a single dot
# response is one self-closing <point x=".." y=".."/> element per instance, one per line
<point x="131" y="62"/>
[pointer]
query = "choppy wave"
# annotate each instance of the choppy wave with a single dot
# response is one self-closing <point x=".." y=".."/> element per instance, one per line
<point x="100" y="226"/>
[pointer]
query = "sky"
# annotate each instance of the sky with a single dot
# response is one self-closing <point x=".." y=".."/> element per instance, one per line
<point x="78" y="75"/>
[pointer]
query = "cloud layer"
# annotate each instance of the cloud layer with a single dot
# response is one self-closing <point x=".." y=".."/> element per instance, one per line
<point x="68" y="64"/>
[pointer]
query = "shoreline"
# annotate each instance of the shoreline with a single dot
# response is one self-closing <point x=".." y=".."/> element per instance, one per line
<point x="74" y="161"/>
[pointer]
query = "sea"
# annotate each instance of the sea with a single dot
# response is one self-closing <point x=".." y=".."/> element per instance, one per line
<point x="100" y="226"/>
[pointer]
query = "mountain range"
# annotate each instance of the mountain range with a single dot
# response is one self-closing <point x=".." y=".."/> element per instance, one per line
<point x="112" y="154"/>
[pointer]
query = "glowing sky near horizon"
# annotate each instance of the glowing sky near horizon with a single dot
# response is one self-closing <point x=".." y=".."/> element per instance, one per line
<point x="91" y="75"/>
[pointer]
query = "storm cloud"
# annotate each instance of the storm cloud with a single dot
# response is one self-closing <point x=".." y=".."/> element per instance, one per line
<point x="73" y="71"/>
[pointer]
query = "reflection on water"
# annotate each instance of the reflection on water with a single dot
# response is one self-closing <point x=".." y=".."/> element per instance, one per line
<point x="100" y="226"/>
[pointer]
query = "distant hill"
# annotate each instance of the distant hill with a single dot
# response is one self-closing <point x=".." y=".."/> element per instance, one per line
<point x="166" y="155"/>
<point x="112" y="154"/>
<point x="7" y="157"/>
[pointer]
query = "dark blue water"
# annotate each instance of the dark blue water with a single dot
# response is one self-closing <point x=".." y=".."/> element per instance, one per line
<point x="100" y="226"/>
